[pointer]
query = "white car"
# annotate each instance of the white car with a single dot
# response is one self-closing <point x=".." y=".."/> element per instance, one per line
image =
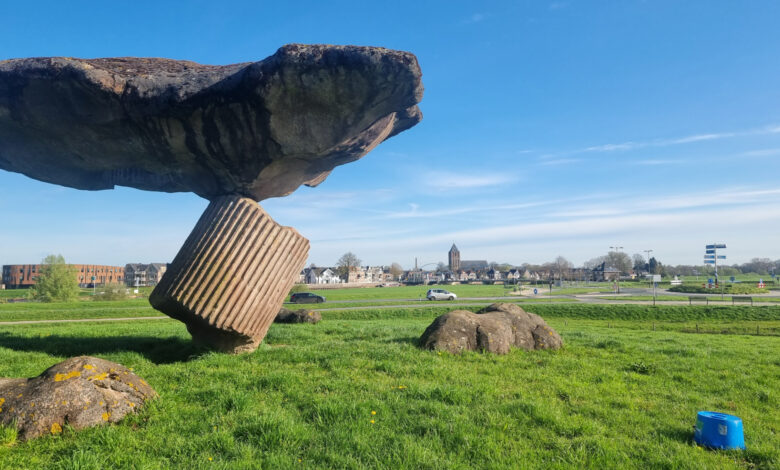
<point x="440" y="294"/>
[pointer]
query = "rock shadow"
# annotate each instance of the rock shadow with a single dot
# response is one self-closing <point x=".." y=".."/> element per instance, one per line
<point x="413" y="340"/>
<point x="159" y="350"/>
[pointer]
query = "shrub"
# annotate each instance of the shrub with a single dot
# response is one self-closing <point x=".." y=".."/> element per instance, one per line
<point x="56" y="281"/>
<point x="112" y="292"/>
<point x="297" y="288"/>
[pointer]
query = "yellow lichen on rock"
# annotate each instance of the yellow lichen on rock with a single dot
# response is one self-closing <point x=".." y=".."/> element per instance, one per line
<point x="69" y="375"/>
<point x="56" y="428"/>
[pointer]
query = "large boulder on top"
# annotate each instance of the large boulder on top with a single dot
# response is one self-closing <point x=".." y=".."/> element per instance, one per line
<point x="496" y="328"/>
<point x="80" y="392"/>
<point x="254" y="129"/>
<point x="297" y="316"/>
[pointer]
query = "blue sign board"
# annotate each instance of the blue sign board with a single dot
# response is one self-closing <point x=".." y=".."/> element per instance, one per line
<point x="536" y="291"/>
<point x="721" y="256"/>
<point x="709" y="281"/>
<point x="710" y="247"/>
<point x="710" y="251"/>
<point x="709" y="256"/>
<point x="709" y="261"/>
<point x="732" y="279"/>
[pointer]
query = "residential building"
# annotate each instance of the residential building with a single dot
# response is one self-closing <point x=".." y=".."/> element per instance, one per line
<point x="144" y="275"/>
<point x="603" y="272"/>
<point x="314" y="275"/>
<point x="17" y="276"/>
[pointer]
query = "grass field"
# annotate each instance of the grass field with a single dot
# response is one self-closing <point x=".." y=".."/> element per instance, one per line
<point x="621" y="396"/>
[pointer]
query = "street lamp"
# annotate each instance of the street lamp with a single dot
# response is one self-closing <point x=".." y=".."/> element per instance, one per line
<point x="617" y="281"/>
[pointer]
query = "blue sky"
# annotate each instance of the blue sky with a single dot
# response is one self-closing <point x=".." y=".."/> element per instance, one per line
<point x="550" y="128"/>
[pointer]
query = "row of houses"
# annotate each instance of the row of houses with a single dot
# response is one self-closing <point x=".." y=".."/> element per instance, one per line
<point x="383" y="274"/>
<point x="355" y="275"/>
<point x="20" y="276"/>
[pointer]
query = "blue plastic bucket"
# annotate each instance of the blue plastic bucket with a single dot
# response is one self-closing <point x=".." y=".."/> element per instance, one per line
<point x="719" y="430"/>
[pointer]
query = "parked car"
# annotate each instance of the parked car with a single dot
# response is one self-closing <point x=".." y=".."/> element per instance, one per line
<point x="306" y="298"/>
<point x="440" y="294"/>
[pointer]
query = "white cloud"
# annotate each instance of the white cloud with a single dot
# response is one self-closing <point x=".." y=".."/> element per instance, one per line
<point x="771" y="129"/>
<point x="466" y="180"/>
<point x="761" y="153"/>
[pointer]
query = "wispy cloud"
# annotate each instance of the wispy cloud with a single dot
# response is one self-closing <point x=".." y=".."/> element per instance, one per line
<point x="761" y="153"/>
<point x="476" y="18"/>
<point x="771" y="129"/>
<point x="454" y="181"/>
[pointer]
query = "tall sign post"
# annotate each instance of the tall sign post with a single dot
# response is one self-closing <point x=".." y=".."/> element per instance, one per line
<point x="711" y="256"/>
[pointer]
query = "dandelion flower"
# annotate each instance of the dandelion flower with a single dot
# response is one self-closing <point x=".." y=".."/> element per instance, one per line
<point x="373" y="412"/>
<point x="372" y="421"/>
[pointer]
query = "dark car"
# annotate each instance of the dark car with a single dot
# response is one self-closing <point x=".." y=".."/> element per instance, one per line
<point x="306" y="298"/>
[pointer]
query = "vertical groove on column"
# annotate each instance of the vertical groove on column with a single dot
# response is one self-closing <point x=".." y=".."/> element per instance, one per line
<point x="232" y="274"/>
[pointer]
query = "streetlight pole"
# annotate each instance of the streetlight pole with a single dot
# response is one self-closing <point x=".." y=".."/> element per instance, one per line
<point x="617" y="250"/>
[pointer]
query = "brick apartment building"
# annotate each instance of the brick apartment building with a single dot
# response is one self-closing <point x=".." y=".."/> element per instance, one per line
<point x="17" y="276"/>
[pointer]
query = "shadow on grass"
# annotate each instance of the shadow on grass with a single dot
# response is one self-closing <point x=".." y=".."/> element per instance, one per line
<point x="413" y="340"/>
<point x="684" y="435"/>
<point x="156" y="349"/>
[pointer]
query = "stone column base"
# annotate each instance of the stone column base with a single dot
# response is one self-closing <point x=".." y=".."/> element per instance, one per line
<point x="228" y="281"/>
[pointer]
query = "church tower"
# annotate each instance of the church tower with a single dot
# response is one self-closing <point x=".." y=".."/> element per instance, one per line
<point x="454" y="259"/>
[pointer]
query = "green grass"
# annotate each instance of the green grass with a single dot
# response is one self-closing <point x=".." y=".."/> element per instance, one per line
<point x="612" y="398"/>
<point x="684" y="298"/>
<point x="76" y="310"/>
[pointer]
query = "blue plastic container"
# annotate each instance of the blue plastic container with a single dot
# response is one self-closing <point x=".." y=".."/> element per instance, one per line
<point x="719" y="431"/>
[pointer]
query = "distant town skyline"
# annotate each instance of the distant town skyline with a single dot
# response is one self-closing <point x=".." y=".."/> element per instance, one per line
<point x="558" y="128"/>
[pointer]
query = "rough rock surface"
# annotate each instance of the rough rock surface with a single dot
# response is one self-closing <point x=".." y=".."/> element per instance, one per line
<point x="496" y="329"/>
<point x="298" y="316"/>
<point x="80" y="392"/>
<point x="230" y="277"/>
<point x="257" y="129"/>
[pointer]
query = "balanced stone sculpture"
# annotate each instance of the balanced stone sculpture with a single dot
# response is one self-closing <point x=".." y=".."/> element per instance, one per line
<point x="233" y="134"/>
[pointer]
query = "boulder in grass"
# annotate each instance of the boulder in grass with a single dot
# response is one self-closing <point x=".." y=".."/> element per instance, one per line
<point x="297" y="316"/>
<point x="80" y="392"/>
<point x="496" y="328"/>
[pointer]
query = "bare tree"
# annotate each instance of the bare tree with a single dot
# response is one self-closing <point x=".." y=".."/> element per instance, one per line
<point x="347" y="261"/>
<point x="396" y="271"/>
<point x="562" y="267"/>
<point x="640" y="263"/>
<point x="619" y="260"/>
<point x="595" y="262"/>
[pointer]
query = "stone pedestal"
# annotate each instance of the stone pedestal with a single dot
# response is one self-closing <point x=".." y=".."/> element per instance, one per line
<point x="232" y="274"/>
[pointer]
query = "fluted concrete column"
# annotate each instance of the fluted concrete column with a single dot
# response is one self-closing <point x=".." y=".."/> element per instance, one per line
<point x="228" y="281"/>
